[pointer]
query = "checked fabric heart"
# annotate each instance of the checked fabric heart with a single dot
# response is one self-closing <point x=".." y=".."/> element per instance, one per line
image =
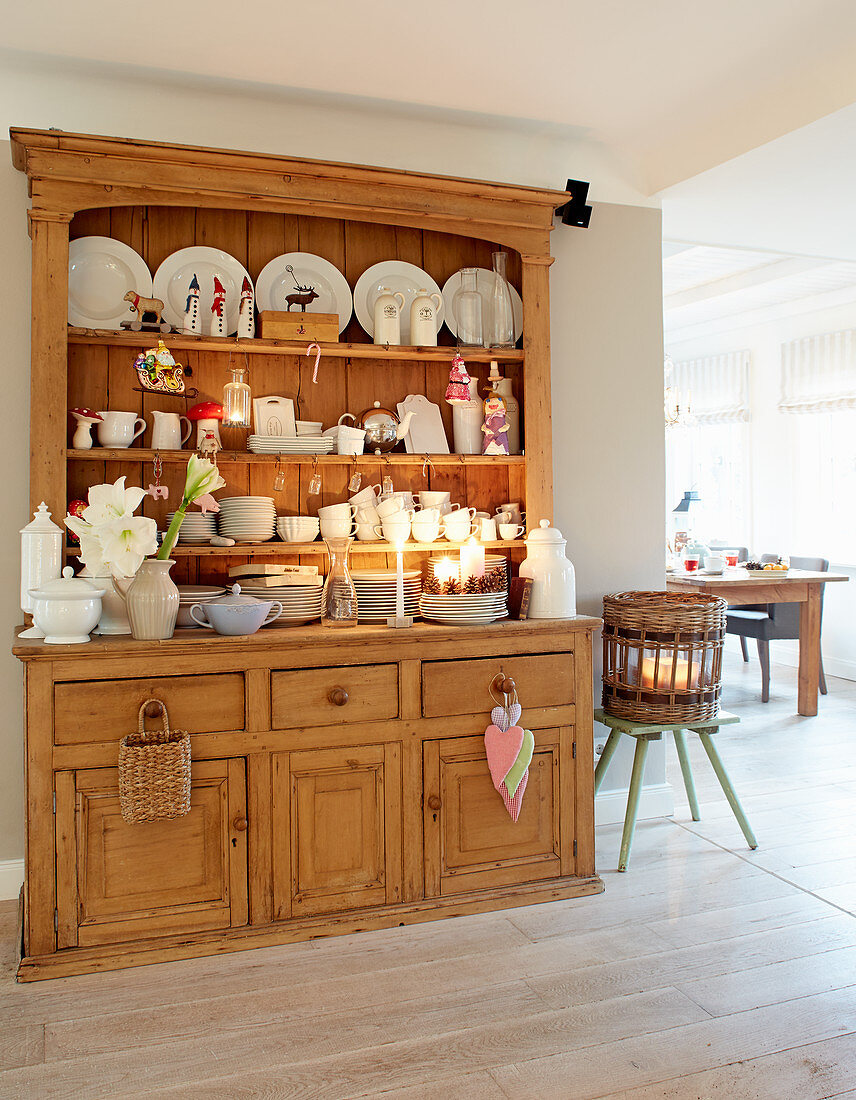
<point x="509" y="750"/>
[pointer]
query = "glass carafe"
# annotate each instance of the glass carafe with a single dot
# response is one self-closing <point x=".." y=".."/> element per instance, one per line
<point x="340" y="597"/>
<point x="500" y="327"/>
<point x="467" y="304"/>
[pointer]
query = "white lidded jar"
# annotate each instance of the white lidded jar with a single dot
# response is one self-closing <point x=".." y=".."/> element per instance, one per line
<point x="467" y="421"/>
<point x="41" y="559"/>
<point x="554" y="593"/>
<point x="67" y="609"/>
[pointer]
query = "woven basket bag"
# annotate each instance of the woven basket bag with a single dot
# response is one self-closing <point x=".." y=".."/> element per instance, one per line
<point x="154" y="771"/>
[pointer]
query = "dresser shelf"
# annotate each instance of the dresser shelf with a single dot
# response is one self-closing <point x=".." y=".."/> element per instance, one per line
<point x="142" y="454"/>
<point x="277" y="548"/>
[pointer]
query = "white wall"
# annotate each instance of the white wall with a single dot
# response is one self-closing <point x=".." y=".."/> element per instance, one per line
<point x="770" y="459"/>
<point x="606" y="308"/>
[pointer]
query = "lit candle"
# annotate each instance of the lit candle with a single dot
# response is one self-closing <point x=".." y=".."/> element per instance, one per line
<point x="663" y="679"/>
<point x="472" y="560"/>
<point x="447" y="570"/>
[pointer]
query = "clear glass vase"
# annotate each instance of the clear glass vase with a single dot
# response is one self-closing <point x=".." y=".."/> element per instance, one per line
<point x="467" y="304"/>
<point x="500" y="329"/>
<point x="340" y="596"/>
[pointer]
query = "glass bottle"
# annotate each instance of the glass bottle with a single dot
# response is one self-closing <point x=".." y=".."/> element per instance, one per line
<point x="236" y="400"/>
<point x="500" y="331"/>
<point x="339" y="597"/>
<point x="467" y="304"/>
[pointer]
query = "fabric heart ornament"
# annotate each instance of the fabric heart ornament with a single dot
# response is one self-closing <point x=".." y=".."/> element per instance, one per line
<point x="506" y="716"/>
<point x="520" y="768"/>
<point x="502" y="747"/>
<point x="509" y="753"/>
<point x="514" y="803"/>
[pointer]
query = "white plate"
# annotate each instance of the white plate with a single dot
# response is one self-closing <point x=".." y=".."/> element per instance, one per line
<point x="230" y="502"/>
<point x="331" y="286"/>
<point x="101" y="271"/>
<point x="173" y="277"/>
<point x="484" y="285"/>
<point x="396" y="275"/>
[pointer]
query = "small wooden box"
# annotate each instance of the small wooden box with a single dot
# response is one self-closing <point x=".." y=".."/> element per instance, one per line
<point x="278" y="325"/>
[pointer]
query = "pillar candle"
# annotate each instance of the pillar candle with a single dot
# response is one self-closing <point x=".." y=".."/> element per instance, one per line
<point x="472" y="560"/>
<point x="399" y="584"/>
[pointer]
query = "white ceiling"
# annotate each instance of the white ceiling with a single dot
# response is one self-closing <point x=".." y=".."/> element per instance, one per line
<point x="672" y="87"/>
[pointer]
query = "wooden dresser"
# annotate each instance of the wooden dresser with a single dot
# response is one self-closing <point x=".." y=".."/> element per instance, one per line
<point x="339" y="784"/>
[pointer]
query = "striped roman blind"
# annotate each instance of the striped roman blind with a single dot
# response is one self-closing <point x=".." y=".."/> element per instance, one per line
<point x="818" y="373"/>
<point x="715" y="389"/>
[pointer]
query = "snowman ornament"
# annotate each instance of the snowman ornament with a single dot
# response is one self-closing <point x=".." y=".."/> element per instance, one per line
<point x="192" y="318"/>
<point x="246" y="322"/>
<point x="218" y="309"/>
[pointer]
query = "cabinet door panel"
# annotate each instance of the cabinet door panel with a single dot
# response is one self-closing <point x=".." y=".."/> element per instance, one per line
<point x="336" y="829"/>
<point x="180" y="874"/>
<point x="470" y="840"/>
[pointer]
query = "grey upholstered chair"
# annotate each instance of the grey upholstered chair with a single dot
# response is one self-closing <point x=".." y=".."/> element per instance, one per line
<point x="773" y="622"/>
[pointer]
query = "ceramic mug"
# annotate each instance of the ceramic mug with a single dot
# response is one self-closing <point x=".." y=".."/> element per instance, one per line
<point x="510" y="531"/>
<point x="512" y="509"/>
<point x="714" y="563"/>
<point x="435" y="498"/>
<point x="117" y="428"/>
<point x="389" y="507"/>
<point x="166" y="433"/>
<point x="336" y="511"/>
<point x="459" y="525"/>
<point x="369" y="495"/>
<point x="337" y="528"/>
<point x="426" y="525"/>
<point x="395" y="528"/>
<point x="367" y="513"/>
<point x="366" y="531"/>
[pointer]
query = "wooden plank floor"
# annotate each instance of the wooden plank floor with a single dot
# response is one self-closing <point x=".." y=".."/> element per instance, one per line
<point x="706" y="971"/>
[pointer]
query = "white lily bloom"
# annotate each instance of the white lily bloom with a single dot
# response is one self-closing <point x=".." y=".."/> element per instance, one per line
<point x="110" y="502"/>
<point x="127" y="542"/>
<point x="203" y="477"/>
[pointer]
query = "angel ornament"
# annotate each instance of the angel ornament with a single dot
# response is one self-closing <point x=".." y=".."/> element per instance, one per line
<point x="495" y="426"/>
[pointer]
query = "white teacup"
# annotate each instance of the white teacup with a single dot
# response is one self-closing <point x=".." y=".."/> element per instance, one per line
<point x="369" y="495"/>
<point x="336" y="528"/>
<point x="459" y="525"/>
<point x="510" y="531"/>
<point x="336" y="511"/>
<point x="426" y="527"/>
<point x="395" y="528"/>
<point x="714" y="563"/>
<point x="512" y="509"/>
<point x="434" y="498"/>
<point x="367" y="513"/>
<point x="366" y="532"/>
<point x="503" y="517"/>
<point x="390" y="506"/>
<point x="117" y="429"/>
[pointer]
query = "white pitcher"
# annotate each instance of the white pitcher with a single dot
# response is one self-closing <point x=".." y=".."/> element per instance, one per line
<point x="387" y="316"/>
<point x="424" y="314"/>
<point x="166" y="433"/>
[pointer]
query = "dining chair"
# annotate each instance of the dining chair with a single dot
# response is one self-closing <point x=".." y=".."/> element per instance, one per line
<point x="773" y="622"/>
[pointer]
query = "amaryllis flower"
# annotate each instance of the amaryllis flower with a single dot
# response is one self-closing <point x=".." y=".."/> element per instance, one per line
<point x="109" y="502"/>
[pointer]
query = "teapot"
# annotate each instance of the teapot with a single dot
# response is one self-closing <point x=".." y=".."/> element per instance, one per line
<point x="383" y="428"/>
<point x="387" y="316"/>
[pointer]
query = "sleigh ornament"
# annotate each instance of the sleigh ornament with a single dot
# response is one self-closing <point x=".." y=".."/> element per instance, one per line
<point x="158" y="372"/>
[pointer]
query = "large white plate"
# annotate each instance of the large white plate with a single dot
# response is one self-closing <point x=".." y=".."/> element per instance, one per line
<point x="396" y="275"/>
<point x="101" y="271"/>
<point x="484" y="285"/>
<point x="173" y="277"/>
<point x="275" y="283"/>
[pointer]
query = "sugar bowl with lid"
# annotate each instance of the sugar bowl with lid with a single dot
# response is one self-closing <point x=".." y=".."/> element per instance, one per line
<point x="68" y="609"/>
<point x="235" y="614"/>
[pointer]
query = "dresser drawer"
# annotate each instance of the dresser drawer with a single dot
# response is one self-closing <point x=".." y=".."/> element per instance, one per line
<point x="105" y="710"/>
<point x="461" y="687"/>
<point x="325" y="696"/>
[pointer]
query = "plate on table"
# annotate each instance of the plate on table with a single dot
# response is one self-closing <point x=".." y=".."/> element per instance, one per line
<point x="274" y="284"/>
<point x="101" y="271"/>
<point x="484" y="285"/>
<point x="396" y="275"/>
<point x="173" y="278"/>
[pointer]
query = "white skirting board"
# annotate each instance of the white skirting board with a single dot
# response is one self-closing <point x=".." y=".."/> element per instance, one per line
<point x="11" y="878"/>
<point x="657" y="800"/>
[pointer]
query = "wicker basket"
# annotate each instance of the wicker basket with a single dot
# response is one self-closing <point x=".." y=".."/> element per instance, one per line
<point x="662" y="656"/>
<point x="154" y="771"/>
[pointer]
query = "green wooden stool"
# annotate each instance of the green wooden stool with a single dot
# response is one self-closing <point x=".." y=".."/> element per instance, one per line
<point x="645" y="732"/>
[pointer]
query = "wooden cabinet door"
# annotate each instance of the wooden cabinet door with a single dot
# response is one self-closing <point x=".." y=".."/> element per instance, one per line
<point x="471" y="843"/>
<point x="120" y="882"/>
<point x="336" y="829"/>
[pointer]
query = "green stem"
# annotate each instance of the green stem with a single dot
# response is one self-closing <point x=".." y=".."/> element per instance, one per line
<point x="171" y="538"/>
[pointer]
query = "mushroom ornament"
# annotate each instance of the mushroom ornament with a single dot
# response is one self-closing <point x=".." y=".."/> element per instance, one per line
<point x="207" y="416"/>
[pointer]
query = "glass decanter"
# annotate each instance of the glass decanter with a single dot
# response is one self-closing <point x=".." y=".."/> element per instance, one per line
<point x="467" y="305"/>
<point x="500" y="330"/>
<point x="340" y="597"/>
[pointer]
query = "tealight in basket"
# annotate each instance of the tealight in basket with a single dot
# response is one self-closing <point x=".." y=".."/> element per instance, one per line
<point x="662" y="656"/>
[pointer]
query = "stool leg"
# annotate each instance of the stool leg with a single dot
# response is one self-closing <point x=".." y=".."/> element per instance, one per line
<point x="633" y="801"/>
<point x="605" y="758"/>
<point x="725" y="783"/>
<point x="686" y="771"/>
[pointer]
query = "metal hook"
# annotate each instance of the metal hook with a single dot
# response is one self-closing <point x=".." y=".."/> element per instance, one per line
<point x="427" y="464"/>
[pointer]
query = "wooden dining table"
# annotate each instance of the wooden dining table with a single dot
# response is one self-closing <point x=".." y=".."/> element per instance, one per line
<point x="796" y="586"/>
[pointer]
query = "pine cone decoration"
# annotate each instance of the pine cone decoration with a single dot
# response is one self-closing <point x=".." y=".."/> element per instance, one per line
<point x="452" y="588"/>
<point x="493" y="580"/>
<point x="431" y="586"/>
<point x="471" y="585"/>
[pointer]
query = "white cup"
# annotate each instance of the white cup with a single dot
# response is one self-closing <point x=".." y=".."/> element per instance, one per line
<point x="714" y="563"/>
<point x="336" y="511"/>
<point x="337" y="528"/>
<point x="503" y="517"/>
<point x="369" y="495"/>
<point x="366" y="532"/>
<point x="117" y="428"/>
<point x="426" y="529"/>
<point x="395" y="528"/>
<point x="390" y="506"/>
<point x="434" y="498"/>
<point x="367" y="513"/>
<point x="350" y="441"/>
<point x="487" y="529"/>
<point x="459" y="525"/>
<point x="510" y="531"/>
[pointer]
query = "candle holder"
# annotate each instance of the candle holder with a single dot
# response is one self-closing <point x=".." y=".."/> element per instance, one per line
<point x="662" y="656"/>
<point x="399" y="620"/>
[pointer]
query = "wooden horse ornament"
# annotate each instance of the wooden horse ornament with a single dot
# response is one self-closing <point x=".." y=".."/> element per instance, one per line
<point x="141" y="305"/>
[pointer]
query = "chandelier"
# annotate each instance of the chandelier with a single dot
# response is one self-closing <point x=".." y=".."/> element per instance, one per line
<point x="676" y="413"/>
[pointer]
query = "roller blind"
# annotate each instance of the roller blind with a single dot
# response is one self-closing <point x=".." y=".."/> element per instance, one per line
<point x="818" y="373"/>
<point x="716" y="388"/>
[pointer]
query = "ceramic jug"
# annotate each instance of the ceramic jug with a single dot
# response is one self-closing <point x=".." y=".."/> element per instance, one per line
<point x="166" y="433"/>
<point x="152" y="600"/>
<point x="552" y="575"/>
<point x="424" y="319"/>
<point x="387" y="316"/>
<point x="467" y="420"/>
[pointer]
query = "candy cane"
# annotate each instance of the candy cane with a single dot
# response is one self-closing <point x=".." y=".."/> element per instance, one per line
<point x="317" y="348"/>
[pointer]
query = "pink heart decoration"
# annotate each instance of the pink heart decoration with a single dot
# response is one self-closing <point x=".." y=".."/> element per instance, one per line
<point x="514" y="805"/>
<point x="500" y="716"/>
<point x="502" y="747"/>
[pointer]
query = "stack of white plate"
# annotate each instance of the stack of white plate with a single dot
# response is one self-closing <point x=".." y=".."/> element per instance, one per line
<point x="376" y="593"/>
<point x="195" y="527"/>
<point x="298" y="528"/>
<point x="290" y="444"/>
<point x="465" y="610"/>
<point x="309" y="427"/>
<point x="301" y="603"/>
<point x="247" y="519"/>
<point x="189" y="594"/>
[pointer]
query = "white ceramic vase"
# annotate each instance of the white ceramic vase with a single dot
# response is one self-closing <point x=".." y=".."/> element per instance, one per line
<point x="151" y="600"/>
<point x="467" y="420"/>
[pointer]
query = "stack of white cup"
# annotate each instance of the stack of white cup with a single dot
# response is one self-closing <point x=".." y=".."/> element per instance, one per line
<point x="394" y="525"/>
<point x="337" y="521"/>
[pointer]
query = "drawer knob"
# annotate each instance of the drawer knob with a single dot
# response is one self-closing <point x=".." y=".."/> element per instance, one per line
<point x="434" y="802"/>
<point x="504" y="684"/>
<point x="338" y="696"/>
<point x="240" y="823"/>
<point x="154" y="709"/>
